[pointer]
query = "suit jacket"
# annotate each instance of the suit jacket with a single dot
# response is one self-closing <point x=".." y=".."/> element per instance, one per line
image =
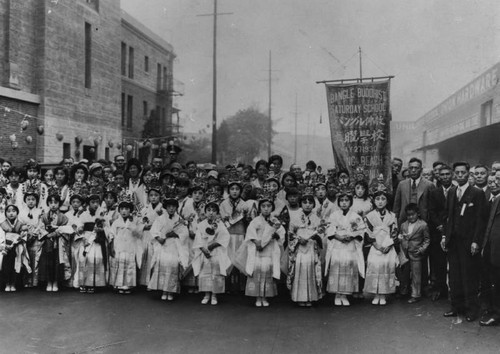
<point x="467" y="217"/>
<point x="416" y="241"/>
<point x="437" y="209"/>
<point x="492" y="234"/>
<point x="402" y="198"/>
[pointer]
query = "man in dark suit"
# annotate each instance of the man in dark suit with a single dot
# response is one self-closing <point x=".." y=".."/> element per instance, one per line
<point x="464" y="234"/>
<point x="437" y="219"/>
<point x="490" y="277"/>
<point x="414" y="190"/>
<point x="481" y="173"/>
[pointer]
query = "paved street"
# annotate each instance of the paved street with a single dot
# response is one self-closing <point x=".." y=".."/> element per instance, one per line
<point x="68" y="322"/>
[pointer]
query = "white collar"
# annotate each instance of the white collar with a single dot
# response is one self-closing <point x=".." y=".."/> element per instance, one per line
<point x="417" y="181"/>
<point x="464" y="187"/>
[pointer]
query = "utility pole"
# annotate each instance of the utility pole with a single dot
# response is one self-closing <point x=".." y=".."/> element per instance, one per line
<point x="360" y="66"/>
<point x="270" y="128"/>
<point x="295" y="140"/>
<point x="214" y="98"/>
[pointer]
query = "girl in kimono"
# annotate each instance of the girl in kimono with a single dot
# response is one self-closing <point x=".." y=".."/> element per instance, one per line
<point x="324" y="207"/>
<point x="74" y="228"/>
<point x="152" y="211"/>
<point x="235" y="213"/>
<point x="125" y="248"/>
<point x="263" y="245"/>
<point x="193" y="211"/>
<point x="170" y="255"/>
<point x="61" y="178"/>
<point x="13" y="236"/>
<point x="382" y="259"/>
<point x="305" y="243"/>
<point x="344" y="256"/>
<point x="109" y="207"/>
<point x="31" y="216"/>
<point x="211" y="259"/>
<point x="135" y="185"/>
<point x="362" y="203"/>
<point x="54" y="266"/>
<point x="92" y="253"/>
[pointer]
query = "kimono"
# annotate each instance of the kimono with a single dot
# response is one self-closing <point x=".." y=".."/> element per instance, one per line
<point x="54" y="264"/>
<point x="325" y="210"/>
<point x="92" y="255"/>
<point x="381" y="268"/>
<point x="171" y="258"/>
<point x="14" y="253"/>
<point x="73" y="228"/>
<point x="149" y="215"/>
<point x="193" y="213"/>
<point x="127" y="244"/>
<point x="32" y="218"/>
<point x="211" y="271"/>
<point x="344" y="261"/>
<point x="235" y="212"/>
<point x="362" y="207"/>
<point x="304" y="278"/>
<point x="261" y="267"/>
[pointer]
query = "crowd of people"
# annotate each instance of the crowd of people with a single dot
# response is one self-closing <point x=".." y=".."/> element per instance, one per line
<point x="246" y="229"/>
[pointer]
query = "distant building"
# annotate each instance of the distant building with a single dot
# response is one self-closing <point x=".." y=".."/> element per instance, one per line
<point x="465" y="126"/>
<point x="60" y="69"/>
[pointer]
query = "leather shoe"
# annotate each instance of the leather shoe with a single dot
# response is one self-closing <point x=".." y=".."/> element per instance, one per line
<point x="451" y="313"/>
<point x="413" y="300"/>
<point x="488" y="322"/>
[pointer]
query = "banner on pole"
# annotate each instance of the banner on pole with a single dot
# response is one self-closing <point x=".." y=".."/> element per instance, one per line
<point x="359" y="115"/>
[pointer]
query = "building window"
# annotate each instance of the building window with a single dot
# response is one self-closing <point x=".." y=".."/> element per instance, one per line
<point x="130" y="62"/>
<point x="158" y="76"/>
<point x="88" y="55"/>
<point x="88" y="154"/>
<point x="66" y="150"/>
<point x="130" y="110"/>
<point x="94" y="4"/>
<point x="106" y="154"/>
<point x="165" y="76"/>
<point x="146" y="64"/>
<point x="486" y="113"/>
<point x="123" y="109"/>
<point x="124" y="59"/>
<point x="145" y="109"/>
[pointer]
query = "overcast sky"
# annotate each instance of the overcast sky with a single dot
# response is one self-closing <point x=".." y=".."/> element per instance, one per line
<point x="432" y="47"/>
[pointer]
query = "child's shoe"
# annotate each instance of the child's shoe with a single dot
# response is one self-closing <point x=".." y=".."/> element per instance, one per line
<point x="49" y="287"/>
<point x="214" y="300"/>
<point x="265" y="303"/>
<point x="258" y="302"/>
<point x="54" y="287"/>
<point x="344" y="301"/>
<point x="170" y="297"/>
<point x="164" y="296"/>
<point x="82" y="289"/>
<point x="206" y="299"/>
<point x="338" y="302"/>
<point x="376" y="300"/>
<point x="12" y="288"/>
<point x="383" y="302"/>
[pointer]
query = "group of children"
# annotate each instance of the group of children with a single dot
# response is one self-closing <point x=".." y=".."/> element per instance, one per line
<point x="137" y="228"/>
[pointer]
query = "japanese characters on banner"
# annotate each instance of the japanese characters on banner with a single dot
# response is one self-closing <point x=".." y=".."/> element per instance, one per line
<point x="359" y="115"/>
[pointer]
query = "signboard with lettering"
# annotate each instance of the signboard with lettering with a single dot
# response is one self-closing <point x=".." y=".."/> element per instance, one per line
<point x="359" y="116"/>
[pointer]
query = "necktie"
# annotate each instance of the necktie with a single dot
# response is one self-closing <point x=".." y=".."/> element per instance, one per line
<point x="459" y="194"/>
<point x="414" y="184"/>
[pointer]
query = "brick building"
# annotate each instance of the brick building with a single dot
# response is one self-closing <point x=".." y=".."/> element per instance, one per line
<point x="60" y="69"/>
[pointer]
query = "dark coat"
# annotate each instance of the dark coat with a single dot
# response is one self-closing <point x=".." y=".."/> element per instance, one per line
<point x="492" y="234"/>
<point x="467" y="217"/>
